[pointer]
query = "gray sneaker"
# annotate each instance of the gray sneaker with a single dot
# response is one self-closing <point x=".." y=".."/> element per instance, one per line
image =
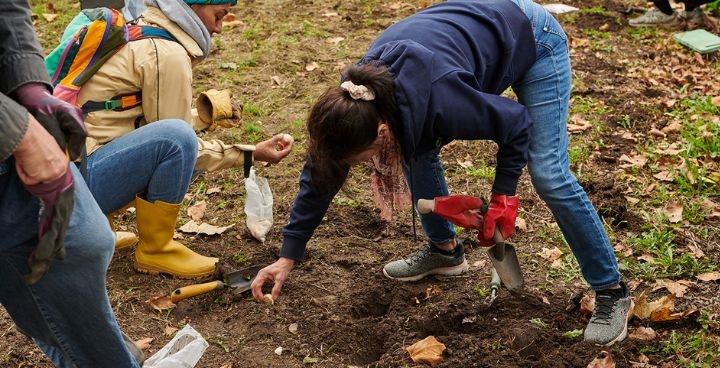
<point x="695" y="17"/>
<point x="654" y="17"/>
<point x="428" y="261"/>
<point x="613" y="309"/>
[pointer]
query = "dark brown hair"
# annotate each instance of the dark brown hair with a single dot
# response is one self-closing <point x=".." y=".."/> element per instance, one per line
<point x="340" y="126"/>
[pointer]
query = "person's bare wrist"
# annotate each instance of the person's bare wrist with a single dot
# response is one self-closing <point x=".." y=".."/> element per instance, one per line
<point x="284" y="261"/>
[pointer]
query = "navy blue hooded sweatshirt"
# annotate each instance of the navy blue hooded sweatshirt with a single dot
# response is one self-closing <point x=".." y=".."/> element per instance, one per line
<point x="450" y="62"/>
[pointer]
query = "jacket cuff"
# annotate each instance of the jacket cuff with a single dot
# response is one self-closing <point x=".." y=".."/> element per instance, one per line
<point x="293" y="248"/>
<point x="505" y="184"/>
<point x="14" y="118"/>
<point x="27" y="68"/>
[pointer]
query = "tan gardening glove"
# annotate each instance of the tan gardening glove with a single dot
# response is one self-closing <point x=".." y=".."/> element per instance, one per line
<point x="217" y="108"/>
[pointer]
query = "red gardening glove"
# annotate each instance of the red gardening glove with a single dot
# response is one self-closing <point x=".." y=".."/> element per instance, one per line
<point x="501" y="213"/>
<point x="57" y="200"/>
<point x="461" y="210"/>
<point x="62" y="120"/>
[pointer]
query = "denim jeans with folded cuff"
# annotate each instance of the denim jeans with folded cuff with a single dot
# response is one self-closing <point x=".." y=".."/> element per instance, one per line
<point x="156" y="160"/>
<point x="545" y="92"/>
<point x="67" y="312"/>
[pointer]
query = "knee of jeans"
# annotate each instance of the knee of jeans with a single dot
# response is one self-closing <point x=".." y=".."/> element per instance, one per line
<point x="183" y="135"/>
<point x="544" y="181"/>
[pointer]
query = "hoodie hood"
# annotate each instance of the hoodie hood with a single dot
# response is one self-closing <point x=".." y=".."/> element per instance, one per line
<point x="412" y="63"/>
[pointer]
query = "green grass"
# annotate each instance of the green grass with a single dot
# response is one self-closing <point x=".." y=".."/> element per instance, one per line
<point x="599" y="10"/>
<point x="253" y="133"/>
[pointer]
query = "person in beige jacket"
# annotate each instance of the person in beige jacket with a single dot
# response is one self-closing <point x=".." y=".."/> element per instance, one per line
<point x="146" y="151"/>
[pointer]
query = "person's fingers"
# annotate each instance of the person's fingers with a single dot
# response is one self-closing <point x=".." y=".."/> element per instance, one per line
<point x="277" y="288"/>
<point x="257" y="285"/>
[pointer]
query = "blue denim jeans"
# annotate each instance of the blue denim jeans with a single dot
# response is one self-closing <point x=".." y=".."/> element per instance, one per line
<point x="156" y="160"/>
<point x="545" y="92"/>
<point x="67" y="313"/>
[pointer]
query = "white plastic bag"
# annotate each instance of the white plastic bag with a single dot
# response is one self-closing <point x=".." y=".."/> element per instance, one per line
<point x="258" y="206"/>
<point x="559" y="8"/>
<point x="183" y="351"/>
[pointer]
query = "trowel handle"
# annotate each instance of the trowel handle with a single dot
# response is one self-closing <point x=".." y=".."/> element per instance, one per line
<point x="494" y="280"/>
<point x="499" y="248"/>
<point x="195" y="290"/>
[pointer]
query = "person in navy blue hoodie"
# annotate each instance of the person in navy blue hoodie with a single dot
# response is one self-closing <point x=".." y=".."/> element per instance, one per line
<point x="437" y="76"/>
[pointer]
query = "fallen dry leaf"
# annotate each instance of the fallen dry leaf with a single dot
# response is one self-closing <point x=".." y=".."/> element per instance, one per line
<point x="587" y="304"/>
<point x="521" y="224"/>
<point x="638" y="160"/>
<point x="664" y="176"/>
<point x="204" y="228"/>
<point x="643" y="333"/>
<point x="674" y="210"/>
<point x="578" y="125"/>
<point x="335" y="40"/>
<point x="311" y="66"/>
<point x="49" y="17"/>
<point x="709" y="276"/>
<point x="716" y="100"/>
<point x="428" y="350"/>
<point x="550" y="254"/>
<point x="673" y="127"/>
<point x="602" y="360"/>
<point x="213" y="190"/>
<point x="197" y="211"/>
<point x="646" y="257"/>
<point x="169" y="330"/>
<point x="632" y="285"/>
<point x="160" y="303"/>
<point x="713" y="207"/>
<point x="655" y="132"/>
<point x="677" y="288"/>
<point x="479" y="264"/>
<point x="431" y="291"/>
<point x="659" y="310"/>
<point x="276" y="80"/>
<point x="330" y="14"/>
<point x="144" y="343"/>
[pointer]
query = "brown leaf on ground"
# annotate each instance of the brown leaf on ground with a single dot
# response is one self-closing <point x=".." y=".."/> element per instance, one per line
<point x="169" y="330"/>
<point x="587" y="304"/>
<point x="677" y="288"/>
<point x="197" y="211"/>
<point x="658" y="310"/>
<point x="311" y="66"/>
<point x="213" y="190"/>
<point x="664" y="175"/>
<point x="204" y="228"/>
<point x="603" y="360"/>
<point x="673" y="127"/>
<point x="521" y="224"/>
<point x="144" y="344"/>
<point x="578" y="124"/>
<point x="674" y="210"/>
<point x="638" y="161"/>
<point x="160" y="303"/>
<point x="643" y="333"/>
<point x="709" y="276"/>
<point x="49" y="17"/>
<point x="713" y="207"/>
<point x="428" y="350"/>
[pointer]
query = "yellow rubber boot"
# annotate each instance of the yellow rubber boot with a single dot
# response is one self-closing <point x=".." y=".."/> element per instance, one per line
<point x="123" y="239"/>
<point x="157" y="252"/>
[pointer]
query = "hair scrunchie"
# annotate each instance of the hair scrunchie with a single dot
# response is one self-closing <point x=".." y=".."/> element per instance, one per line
<point x="358" y="92"/>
